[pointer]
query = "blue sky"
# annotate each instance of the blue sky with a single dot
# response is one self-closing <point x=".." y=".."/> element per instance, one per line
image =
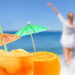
<point x="14" y="14"/>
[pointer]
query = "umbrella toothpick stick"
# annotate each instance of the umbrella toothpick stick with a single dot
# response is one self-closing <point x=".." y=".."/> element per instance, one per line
<point x="33" y="43"/>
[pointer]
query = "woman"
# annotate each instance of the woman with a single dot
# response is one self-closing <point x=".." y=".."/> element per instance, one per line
<point x="68" y="35"/>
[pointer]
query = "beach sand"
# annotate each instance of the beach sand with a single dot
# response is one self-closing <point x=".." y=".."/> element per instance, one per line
<point x="65" y="69"/>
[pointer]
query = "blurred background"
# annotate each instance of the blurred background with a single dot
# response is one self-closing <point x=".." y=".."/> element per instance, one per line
<point x="14" y="15"/>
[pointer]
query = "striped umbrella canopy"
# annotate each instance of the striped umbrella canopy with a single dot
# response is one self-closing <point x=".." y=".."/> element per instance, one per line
<point x="7" y="38"/>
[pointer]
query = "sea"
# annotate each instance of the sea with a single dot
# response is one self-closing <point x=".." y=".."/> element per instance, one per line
<point x="44" y="41"/>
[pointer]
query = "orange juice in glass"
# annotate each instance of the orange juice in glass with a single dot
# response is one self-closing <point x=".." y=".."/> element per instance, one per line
<point x="46" y="63"/>
<point x="16" y="62"/>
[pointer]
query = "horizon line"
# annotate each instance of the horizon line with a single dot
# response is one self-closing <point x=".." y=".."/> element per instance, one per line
<point x="43" y="31"/>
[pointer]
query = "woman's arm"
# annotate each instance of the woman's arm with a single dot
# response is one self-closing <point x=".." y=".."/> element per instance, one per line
<point x="55" y="10"/>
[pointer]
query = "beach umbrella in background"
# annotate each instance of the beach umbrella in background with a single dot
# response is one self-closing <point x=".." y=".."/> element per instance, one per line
<point x="7" y="38"/>
<point x="30" y="29"/>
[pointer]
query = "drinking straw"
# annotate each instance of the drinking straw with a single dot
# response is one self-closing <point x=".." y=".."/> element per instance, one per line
<point x="0" y="29"/>
<point x="5" y="47"/>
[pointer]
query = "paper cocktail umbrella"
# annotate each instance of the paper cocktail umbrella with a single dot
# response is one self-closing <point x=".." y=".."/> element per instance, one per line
<point x="31" y="29"/>
<point x="7" y="38"/>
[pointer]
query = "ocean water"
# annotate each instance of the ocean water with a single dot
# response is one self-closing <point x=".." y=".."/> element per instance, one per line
<point x="44" y="41"/>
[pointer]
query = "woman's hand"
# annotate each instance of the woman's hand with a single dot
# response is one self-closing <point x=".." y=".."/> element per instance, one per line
<point x="50" y="4"/>
<point x="55" y="10"/>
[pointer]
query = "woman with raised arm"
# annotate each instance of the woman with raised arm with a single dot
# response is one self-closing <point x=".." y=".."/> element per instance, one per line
<point x="68" y="35"/>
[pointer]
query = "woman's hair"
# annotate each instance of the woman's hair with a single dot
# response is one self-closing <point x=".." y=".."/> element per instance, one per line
<point x="70" y="16"/>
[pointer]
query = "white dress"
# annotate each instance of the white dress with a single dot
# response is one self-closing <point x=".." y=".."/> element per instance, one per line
<point x="68" y="34"/>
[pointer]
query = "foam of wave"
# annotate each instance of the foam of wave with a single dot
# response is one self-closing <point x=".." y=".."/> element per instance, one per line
<point x="65" y="69"/>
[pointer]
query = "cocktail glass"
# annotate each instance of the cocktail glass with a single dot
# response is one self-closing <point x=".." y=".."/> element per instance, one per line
<point x="16" y="62"/>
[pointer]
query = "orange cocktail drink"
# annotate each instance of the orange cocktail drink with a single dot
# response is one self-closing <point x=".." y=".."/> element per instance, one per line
<point x="16" y="62"/>
<point x="46" y="63"/>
